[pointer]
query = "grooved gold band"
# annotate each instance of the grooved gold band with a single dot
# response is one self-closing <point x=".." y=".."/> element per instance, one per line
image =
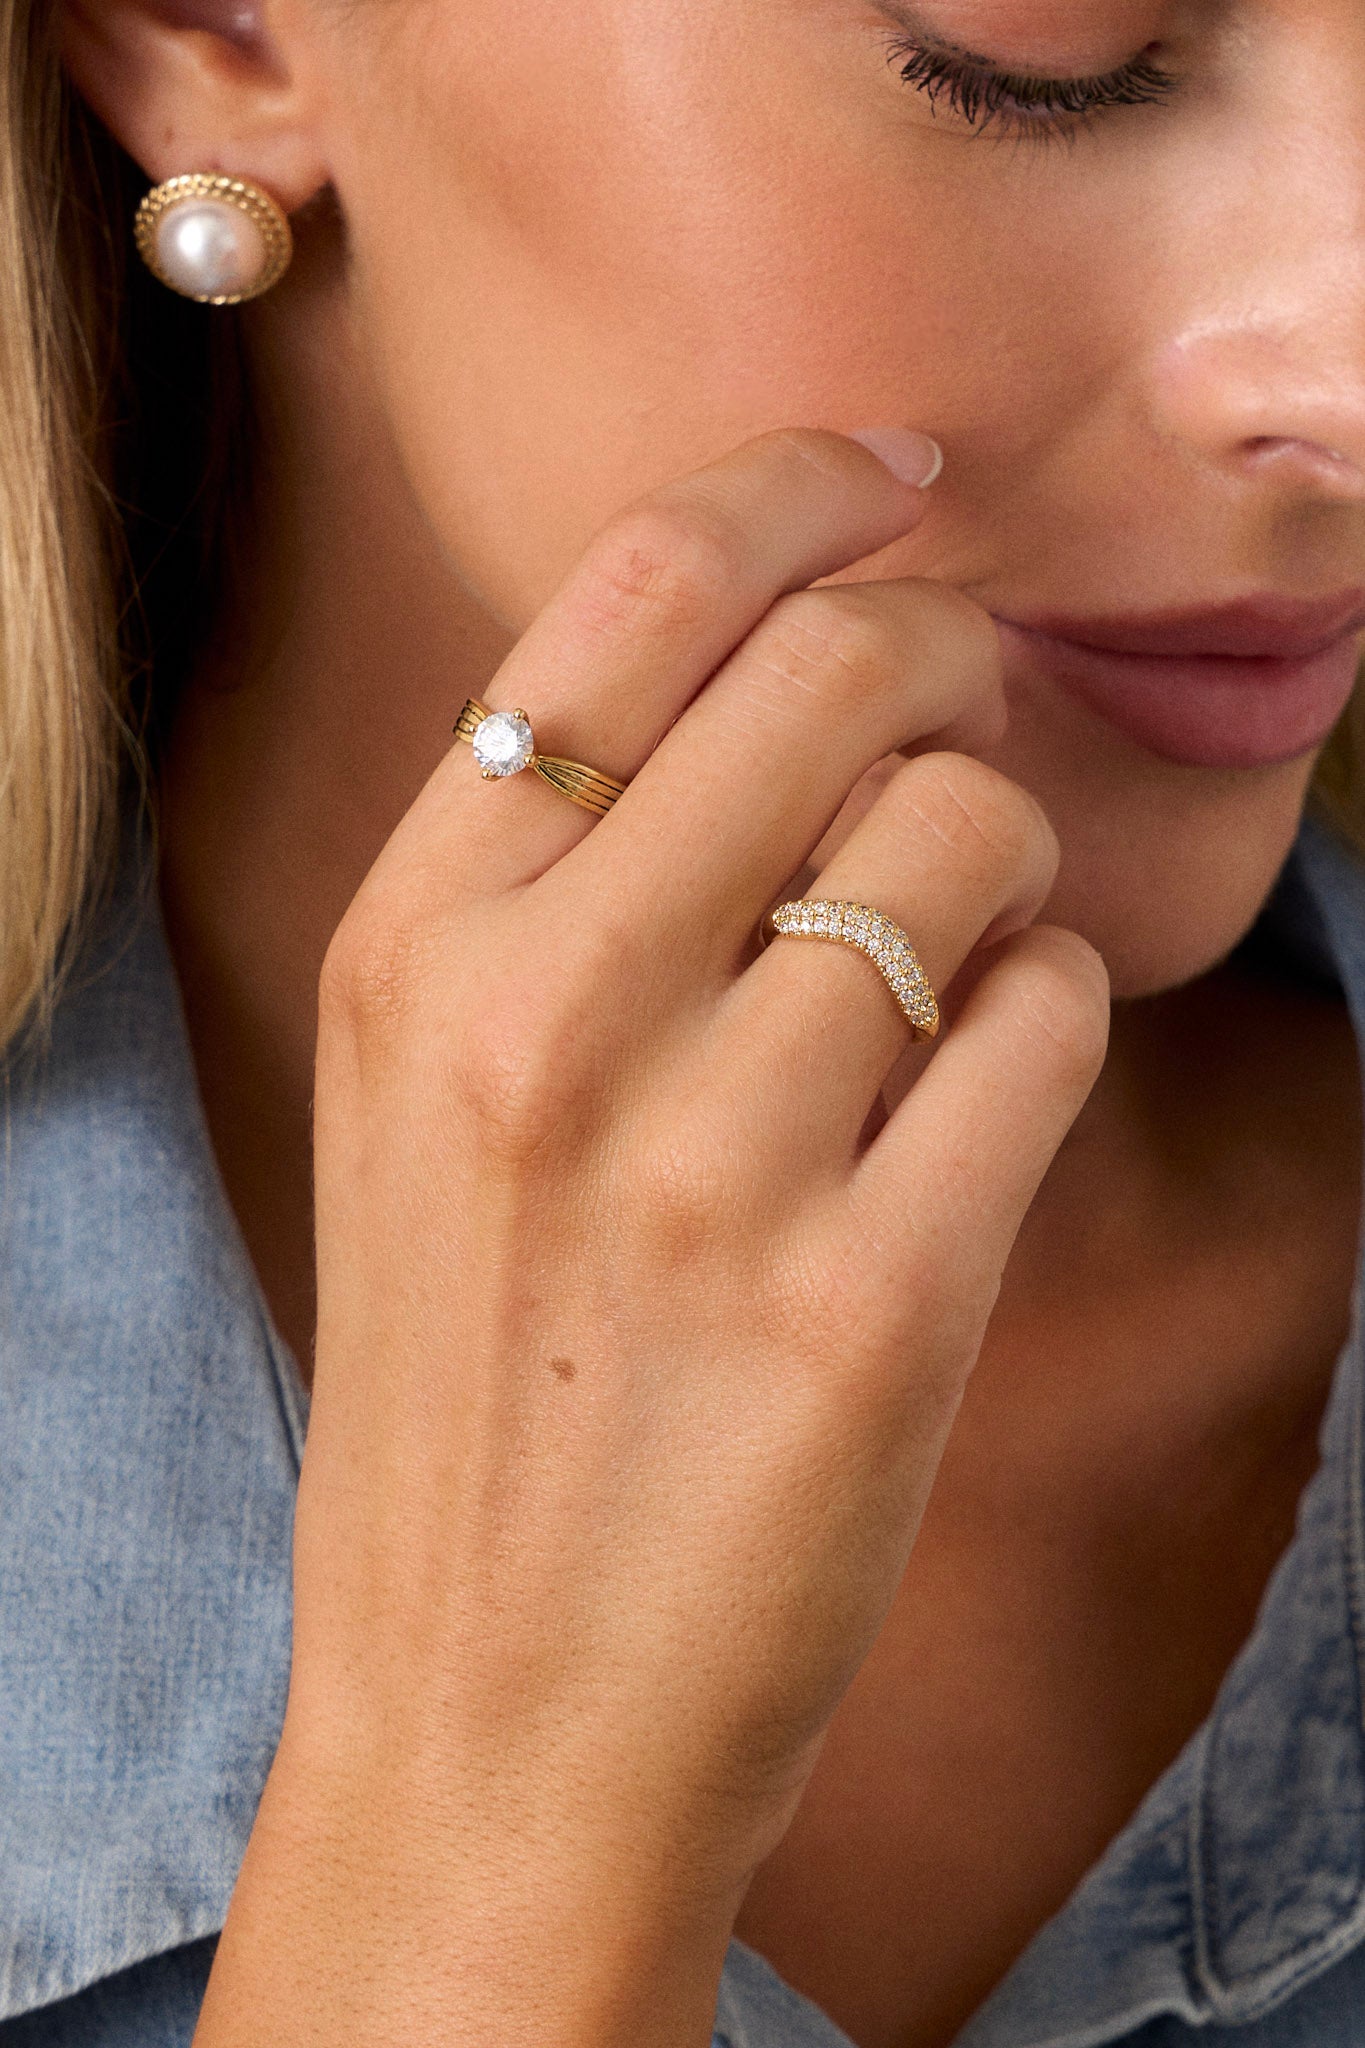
<point x="873" y="933"/>
<point x="582" y="785"/>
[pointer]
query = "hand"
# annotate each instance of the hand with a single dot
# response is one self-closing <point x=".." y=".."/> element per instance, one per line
<point x="636" y="1353"/>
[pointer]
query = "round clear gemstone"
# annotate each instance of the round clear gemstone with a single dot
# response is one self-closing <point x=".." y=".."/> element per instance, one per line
<point x="503" y="743"/>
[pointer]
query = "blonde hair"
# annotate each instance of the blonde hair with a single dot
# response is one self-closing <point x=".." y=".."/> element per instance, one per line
<point x="118" y="409"/>
<point x="119" y="456"/>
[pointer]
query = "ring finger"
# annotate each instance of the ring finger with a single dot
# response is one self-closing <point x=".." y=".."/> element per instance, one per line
<point x="953" y="851"/>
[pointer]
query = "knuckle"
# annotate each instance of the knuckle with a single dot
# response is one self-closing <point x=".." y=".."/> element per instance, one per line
<point x="1062" y="994"/>
<point x="372" y="968"/>
<point x="664" y="561"/>
<point x="830" y="641"/>
<point x="843" y="1327"/>
<point x="959" y="629"/>
<point x="680" y="1194"/>
<point x="976" y="810"/>
<point x="519" y="1087"/>
<point x="821" y="1314"/>
<point x="950" y="636"/>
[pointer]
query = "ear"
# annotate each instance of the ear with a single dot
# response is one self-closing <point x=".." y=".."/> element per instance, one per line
<point x="196" y="85"/>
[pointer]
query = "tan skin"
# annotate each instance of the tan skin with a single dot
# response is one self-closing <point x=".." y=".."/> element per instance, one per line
<point x="587" y="256"/>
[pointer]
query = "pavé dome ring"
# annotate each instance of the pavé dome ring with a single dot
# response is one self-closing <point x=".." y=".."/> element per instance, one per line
<point x="873" y="933"/>
<point x="504" y="744"/>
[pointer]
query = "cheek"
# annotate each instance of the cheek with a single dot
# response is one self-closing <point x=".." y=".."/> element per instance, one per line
<point x="582" y="272"/>
<point x="582" y="278"/>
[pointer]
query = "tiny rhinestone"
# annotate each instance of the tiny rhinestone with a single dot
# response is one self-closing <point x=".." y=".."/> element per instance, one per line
<point x="860" y="925"/>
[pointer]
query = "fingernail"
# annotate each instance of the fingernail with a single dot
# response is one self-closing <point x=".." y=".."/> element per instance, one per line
<point x="914" y="458"/>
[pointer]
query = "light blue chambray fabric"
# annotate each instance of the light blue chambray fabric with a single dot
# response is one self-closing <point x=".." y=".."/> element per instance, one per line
<point x="151" y="1423"/>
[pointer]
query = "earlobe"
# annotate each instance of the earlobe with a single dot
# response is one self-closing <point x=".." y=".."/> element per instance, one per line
<point x="195" y="86"/>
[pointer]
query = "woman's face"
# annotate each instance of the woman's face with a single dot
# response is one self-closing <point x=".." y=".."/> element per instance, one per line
<point x="596" y="244"/>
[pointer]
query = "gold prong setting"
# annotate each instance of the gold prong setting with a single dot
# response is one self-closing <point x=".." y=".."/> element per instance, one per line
<point x="872" y="933"/>
<point x="510" y="746"/>
<point x="504" y="743"/>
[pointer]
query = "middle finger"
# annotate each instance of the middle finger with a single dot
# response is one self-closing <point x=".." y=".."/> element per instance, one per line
<point x="744" y="786"/>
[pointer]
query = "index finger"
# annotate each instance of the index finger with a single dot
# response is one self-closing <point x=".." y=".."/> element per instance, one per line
<point x="662" y="595"/>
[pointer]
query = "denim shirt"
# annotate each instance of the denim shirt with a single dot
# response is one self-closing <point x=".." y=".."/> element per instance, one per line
<point x="151" y="1424"/>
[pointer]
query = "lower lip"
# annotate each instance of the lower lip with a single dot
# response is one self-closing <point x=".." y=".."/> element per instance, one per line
<point x="1210" y="711"/>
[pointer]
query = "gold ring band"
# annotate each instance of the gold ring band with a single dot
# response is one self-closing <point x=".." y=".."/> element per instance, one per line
<point x="504" y="744"/>
<point x="873" y="933"/>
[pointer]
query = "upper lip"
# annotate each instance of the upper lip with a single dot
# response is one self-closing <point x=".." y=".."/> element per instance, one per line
<point x="1273" y="628"/>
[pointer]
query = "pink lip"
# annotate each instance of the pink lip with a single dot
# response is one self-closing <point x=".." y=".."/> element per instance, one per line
<point x="1230" y="686"/>
<point x="1267" y="628"/>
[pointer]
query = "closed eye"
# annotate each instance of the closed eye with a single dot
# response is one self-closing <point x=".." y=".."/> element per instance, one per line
<point x="985" y="96"/>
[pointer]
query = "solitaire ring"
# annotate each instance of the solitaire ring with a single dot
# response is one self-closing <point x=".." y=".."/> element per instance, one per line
<point x="873" y="933"/>
<point x="504" y="744"/>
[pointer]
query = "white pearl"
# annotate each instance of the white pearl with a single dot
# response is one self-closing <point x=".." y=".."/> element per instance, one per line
<point x="208" y="246"/>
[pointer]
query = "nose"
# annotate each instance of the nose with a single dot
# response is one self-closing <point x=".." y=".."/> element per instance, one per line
<point x="1260" y="372"/>
<point x="1276" y="394"/>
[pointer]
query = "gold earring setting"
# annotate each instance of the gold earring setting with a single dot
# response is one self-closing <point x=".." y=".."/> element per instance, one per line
<point x="213" y="238"/>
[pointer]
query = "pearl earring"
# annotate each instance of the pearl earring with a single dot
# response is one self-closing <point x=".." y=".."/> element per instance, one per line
<point x="213" y="238"/>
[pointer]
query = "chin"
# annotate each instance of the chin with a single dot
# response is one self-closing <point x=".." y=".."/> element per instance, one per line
<point x="1164" y="867"/>
<point x="1147" y="952"/>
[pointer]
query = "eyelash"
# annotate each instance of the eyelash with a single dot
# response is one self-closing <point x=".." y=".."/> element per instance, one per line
<point x="1016" y="104"/>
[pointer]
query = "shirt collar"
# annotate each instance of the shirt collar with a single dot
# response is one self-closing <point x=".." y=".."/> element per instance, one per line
<point x="1241" y="1876"/>
<point x="153" y="1423"/>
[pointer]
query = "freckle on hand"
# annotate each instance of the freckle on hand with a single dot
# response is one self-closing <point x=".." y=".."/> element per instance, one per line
<point x="563" y="1368"/>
